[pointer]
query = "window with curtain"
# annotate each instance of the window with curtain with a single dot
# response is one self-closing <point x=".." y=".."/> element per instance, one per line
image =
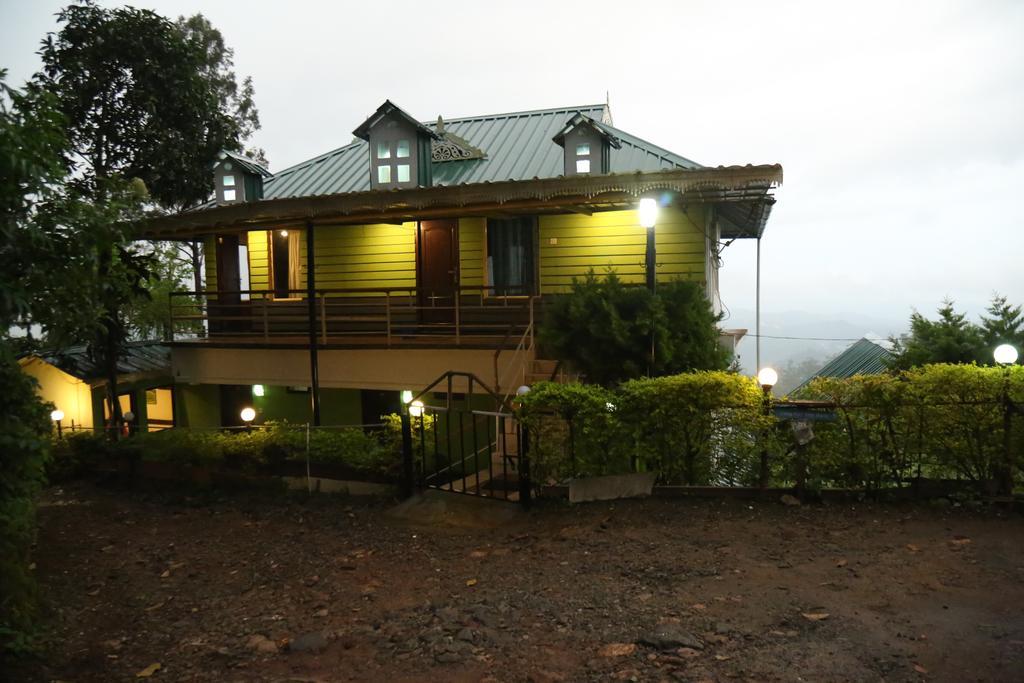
<point x="284" y="263"/>
<point x="510" y="256"/>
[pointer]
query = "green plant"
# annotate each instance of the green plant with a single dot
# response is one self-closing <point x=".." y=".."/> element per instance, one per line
<point x="607" y="330"/>
<point x="24" y="442"/>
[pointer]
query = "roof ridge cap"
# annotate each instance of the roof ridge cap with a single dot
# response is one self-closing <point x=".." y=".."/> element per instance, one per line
<point x="507" y="114"/>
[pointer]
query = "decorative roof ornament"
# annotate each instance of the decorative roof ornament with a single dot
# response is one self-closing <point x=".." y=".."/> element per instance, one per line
<point x="450" y="147"/>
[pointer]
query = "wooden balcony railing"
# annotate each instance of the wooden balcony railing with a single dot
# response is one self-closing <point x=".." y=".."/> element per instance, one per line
<point x="385" y="317"/>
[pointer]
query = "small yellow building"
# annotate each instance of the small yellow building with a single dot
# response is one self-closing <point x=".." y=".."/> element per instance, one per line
<point x="70" y="380"/>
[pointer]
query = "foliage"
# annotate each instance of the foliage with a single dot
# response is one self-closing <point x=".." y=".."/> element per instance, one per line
<point x="696" y="428"/>
<point x="576" y="431"/>
<point x="701" y="427"/>
<point x="149" y="317"/>
<point x="937" y="421"/>
<point x="1004" y="324"/>
<point x="140" y="100"/>
<point x="954" y="339"/>
<point x="606" y="329"/>
<point x="24" y="432"/>
<point x="147" y="105"/>
<point x="374" y="453"/>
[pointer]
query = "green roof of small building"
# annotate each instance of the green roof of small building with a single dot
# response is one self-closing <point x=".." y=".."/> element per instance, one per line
<point x="516" y="146"/>
<point x="863" y="357"/>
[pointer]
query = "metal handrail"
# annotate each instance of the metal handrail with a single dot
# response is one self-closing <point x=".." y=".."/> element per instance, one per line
<point x="353" y="312"/>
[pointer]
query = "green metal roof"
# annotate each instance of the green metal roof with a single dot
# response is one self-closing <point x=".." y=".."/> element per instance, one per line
<point x="863" y="357"/>
<point x="518" y="146"/>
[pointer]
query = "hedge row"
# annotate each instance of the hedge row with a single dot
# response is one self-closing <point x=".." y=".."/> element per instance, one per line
<point x="376" y="453"/>
<point x="711" y="428"/>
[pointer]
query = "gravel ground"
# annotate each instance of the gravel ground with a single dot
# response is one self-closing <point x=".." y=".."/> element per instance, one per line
<point x="243" y="589"/>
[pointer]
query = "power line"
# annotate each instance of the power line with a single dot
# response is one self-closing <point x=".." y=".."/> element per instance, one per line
<point x="771" y="336"/>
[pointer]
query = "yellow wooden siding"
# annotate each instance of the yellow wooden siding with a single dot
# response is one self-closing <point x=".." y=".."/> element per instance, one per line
<point x="259" y="260"/>
<point x="471" y="251"/>
<point x="681" y="245"/>
<point x="571" y="244"/>
<point x="379" y="255"/>
<point x="210" y="262"/>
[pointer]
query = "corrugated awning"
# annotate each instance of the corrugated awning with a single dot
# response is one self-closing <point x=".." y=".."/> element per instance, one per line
<point x="742" y="192"/>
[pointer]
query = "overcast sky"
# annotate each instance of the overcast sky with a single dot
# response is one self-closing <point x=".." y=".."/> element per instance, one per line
<point x="900" y="125"/>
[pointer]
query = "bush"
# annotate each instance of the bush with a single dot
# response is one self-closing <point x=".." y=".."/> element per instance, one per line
<point x="24" y="443"/>
<point x="935" y="421"/>
<point x="605" y="329"/>
<point x="267" y="447"/>
<point x="696" y="428"/>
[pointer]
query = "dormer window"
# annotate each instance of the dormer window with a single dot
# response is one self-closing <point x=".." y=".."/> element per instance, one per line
<point x="587" y="144"/>
<point x="238" y="179"/>
<point x="399" y="149"/>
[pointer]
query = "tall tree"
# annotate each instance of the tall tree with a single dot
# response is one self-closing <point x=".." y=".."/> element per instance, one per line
<point x="238" y="100"/>
<point x="141" y="108"/>
<point x="950" y="339"/>
<point x="1004" y="324"/>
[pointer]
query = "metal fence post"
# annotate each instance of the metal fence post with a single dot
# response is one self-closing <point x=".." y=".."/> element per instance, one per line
<point x="525" y="488"/>
<point x="408" y="484"/>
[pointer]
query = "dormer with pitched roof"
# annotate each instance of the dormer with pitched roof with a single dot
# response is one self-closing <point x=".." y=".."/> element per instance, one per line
<point x="586" y="145"/>
<point x="237" y="179"/>
<point x="399" y="146"/>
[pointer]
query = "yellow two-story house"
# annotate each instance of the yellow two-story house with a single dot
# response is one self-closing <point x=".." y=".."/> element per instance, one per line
<point x="420" y="248"/>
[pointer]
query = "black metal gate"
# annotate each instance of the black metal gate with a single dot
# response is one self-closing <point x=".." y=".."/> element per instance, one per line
<point x="458" y="435"/>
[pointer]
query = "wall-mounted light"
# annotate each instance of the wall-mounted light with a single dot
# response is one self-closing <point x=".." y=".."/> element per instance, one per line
<point x="406" y="396"/>
<point x="258" y="390"/>
<point x="283" y="233"/>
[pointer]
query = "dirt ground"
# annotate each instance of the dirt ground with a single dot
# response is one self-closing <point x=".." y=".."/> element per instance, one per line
<point x="237" y="589"/>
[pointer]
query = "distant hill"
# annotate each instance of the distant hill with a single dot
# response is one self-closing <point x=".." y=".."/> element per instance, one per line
<point x="800" y="352"/>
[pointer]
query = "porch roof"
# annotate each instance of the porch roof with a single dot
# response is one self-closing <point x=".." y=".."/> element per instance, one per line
<point x="742" y="194"/>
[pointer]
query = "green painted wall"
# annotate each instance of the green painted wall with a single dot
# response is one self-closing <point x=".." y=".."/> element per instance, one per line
<point x="337" y="406"/>
<point x="198" y="405"/>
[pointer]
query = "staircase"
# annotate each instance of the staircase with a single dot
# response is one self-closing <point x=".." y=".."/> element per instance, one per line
<point x="545" y="370"/>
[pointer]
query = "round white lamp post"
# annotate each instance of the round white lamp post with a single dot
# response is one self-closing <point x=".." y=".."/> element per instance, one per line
<point x="767" y="378"/>
<point x="648" y="218"/>
<point x="416" y="409"/>
<point x="248" y="414"/>
<point x="1006" y="355"/>
<point x="57" y="415"/>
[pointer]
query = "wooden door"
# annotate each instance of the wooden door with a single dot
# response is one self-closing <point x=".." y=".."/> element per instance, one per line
<point x="438" y="270"/>
<point x="226" y="309"/>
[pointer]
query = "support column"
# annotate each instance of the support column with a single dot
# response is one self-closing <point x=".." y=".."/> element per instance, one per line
<point x="314" y="367"/>
<point x="757" y="313"/>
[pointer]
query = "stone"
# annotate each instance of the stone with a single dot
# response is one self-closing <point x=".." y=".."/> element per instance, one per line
<point x="617" y="650"/>
<point x="261" y="643"/>
<point x="466" y="634"/>
<point x="635" y="485"/>
<point x="670" y="637"/>
<point x="789" y="501"/>
<point x="309" y="642"/>
<point x="449" y="658"/>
